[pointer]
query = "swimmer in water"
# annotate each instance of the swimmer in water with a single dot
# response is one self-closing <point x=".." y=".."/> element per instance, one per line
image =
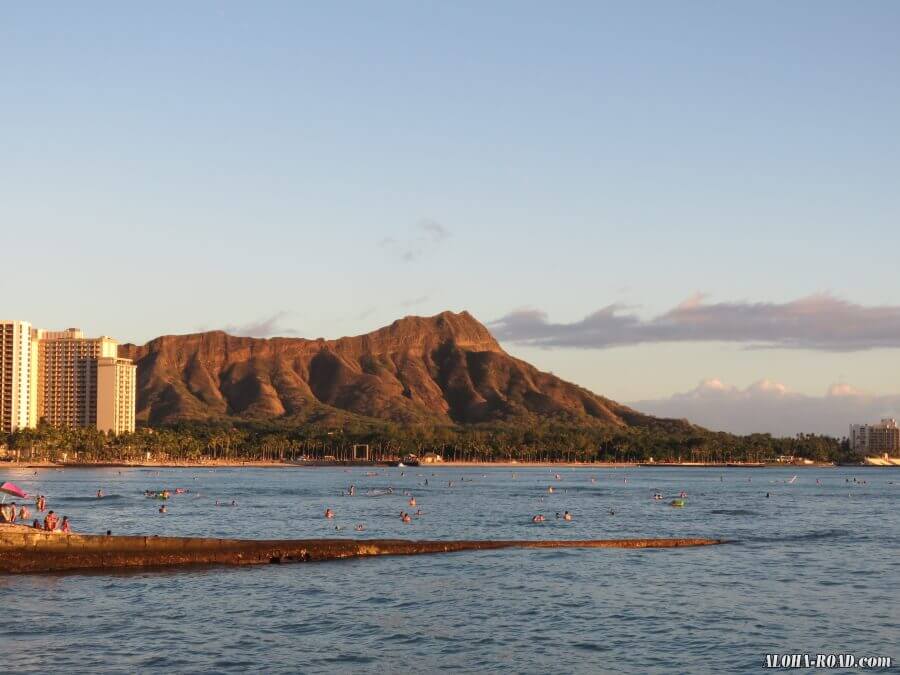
<point x="567" y="516"/>
<point x="163" y="509"/>
<point x="412" y="501"/>
<point x="360" y="527"/>
<point x="329" y="513"/>
<point x="99" y="494"/>
<point x="550" y="490"/>
<point x="405" y="518"/>
<point x="538" y="519"/>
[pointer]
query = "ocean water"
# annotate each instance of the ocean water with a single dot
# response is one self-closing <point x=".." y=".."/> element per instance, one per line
<point x="813" y="568"/>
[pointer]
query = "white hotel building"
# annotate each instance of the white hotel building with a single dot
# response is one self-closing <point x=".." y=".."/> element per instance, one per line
<point x="18" y="399"/>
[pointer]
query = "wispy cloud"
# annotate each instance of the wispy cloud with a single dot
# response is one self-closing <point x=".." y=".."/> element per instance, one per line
<point x="821" y="321"/>
<point x="771" y="407"/>
<point x="412" y="302"/>
<point x="265" y="327"/>
<point x="425" y="236"/>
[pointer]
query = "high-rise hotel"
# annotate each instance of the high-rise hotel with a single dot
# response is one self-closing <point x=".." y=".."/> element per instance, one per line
<point x="65" y="379"/>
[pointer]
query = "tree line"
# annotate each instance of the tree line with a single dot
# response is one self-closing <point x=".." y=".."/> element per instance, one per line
<point x="529" y="441"/>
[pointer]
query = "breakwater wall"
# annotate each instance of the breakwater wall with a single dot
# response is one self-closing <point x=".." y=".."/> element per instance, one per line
<point x="23" y="550"/>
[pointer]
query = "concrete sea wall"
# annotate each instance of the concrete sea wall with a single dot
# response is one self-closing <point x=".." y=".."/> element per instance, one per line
<point x="24" y="550"/>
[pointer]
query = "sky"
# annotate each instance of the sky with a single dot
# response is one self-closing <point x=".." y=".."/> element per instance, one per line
<point x="641" y="197"/>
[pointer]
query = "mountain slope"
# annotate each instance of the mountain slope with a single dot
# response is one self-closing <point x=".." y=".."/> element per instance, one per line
<point x="442" y="369"/>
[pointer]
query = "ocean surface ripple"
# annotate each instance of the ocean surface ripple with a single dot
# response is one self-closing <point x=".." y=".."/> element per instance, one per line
<point x="812" y="569"/>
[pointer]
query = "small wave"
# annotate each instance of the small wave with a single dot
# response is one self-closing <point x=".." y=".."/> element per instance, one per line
<point x="817" y="535"/>
<point x="734" y="512"/>
<point x="104" y="498"/>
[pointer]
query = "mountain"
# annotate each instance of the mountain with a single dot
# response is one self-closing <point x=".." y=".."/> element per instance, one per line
<point x="442" y="369"/>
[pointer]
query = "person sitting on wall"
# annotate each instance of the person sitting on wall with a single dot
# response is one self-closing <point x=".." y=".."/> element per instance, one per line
<point x="51" y="521"/>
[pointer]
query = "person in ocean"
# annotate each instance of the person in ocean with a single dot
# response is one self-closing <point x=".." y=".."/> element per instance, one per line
<point x="65" y="527"/>
<point x="99" y="494"/>
<point x="360" y="527"/>
<point x="329" y="513"/>
<point x="539" y="518"/>
<point x="163" y="509"/>
<point x="412" y="501"/>
<point x="405" y="518"/>
<point x="24" y="513"/>
<point x="567" y="516"/>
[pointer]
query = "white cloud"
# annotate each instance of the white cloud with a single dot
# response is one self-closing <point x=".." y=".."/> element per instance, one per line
<point x="771" y="407"/>
<point x="265" y="327"/>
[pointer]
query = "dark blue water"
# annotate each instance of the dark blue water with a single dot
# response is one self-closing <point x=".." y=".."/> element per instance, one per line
<point x="813" y="568"/>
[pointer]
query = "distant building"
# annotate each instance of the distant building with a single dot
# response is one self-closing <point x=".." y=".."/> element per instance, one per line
<point x="876" y="439"/>
<point x="63" y="378"/>
<point x="18" y="401"/>
<point x="67" y="376"/>
<point x="116" y="394"/>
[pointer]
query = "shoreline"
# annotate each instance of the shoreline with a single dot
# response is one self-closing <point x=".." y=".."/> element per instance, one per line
<point x="219" y="464"/>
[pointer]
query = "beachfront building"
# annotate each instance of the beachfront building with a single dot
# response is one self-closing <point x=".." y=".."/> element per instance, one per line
<point x="116" y="394"/>
<point x="64" y="379"/>
<point x="67" y="376"/>
<point x="18" y="364"/>
<point x="877" y="439"/>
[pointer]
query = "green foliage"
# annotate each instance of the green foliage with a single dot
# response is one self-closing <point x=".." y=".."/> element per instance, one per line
<point x="526" y="441"/>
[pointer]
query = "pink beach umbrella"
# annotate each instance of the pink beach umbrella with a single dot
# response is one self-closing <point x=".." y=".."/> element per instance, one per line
<point x="14" y="490"/>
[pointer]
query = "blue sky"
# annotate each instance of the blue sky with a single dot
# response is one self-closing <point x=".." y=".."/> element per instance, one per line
<point x="181" y="166"/>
